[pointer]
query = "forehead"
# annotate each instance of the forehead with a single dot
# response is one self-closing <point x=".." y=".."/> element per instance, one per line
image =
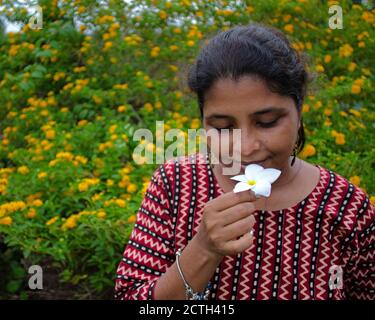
<point x="246" y="95"/>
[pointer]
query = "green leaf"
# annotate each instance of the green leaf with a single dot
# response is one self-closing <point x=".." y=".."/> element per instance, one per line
<point x="13" y="286"/>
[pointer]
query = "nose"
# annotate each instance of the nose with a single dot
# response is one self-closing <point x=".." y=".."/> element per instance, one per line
<point x="249" y="143"/>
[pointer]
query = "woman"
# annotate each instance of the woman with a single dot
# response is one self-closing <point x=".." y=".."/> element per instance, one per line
<point x="312" y="238"/>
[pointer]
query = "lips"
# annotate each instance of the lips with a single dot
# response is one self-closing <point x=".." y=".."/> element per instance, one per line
<point x="252" y="162"/>
<point x="245" y="164"/>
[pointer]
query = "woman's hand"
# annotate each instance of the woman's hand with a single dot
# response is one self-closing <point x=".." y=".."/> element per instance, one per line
<point x="226" y="224"/>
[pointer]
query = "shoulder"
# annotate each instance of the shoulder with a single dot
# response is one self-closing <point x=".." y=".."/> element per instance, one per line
<point x="186" y="164"/>
<point x="345" y="193"/>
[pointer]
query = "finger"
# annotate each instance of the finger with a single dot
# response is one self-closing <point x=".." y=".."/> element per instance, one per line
<point x="239" y="245"/>
<point x="238" y="228"/>
<point x="230" y="199"/>
<point x="237" y="212"/>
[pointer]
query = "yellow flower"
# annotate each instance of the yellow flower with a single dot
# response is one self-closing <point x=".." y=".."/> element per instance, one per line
<point x="195" y="123"/>
<point x="37" y="203"/>
<point x="327" y="58"/>
<point x="343" y="113"/>
<point x="328" y="112"/>
<point x="249" y="9"/>
<point x="44" y="113"/>
<point x="65" y="156"/>
<point x="132" y="218"/>
<point x="305" y="108"/>
<point x="340" y="139"/>
<point x="346" y="50"/>
<point x="81" y="9"/>
<point x="101" y="214"/>
<point x="131" y="188"/>
<point x="6" y="221"/>
<point x="83" y="186"/>
<point x="355" y="180"/>
<point x="158" y="104"/>
<point x="148" y="107"/>
<point x="50" y="134"/>
<point x="352" y="66"/>
<point x="97" y="99"/>
<point x="123" y="86"/>
<point x="289" y="28"/>
<point x="112" y="128"/>
<point x="121" y="203"/>
<point x="328" y="122"/>
<point x="87" y="183"/>
<point x="81" y="159"/>
<point x="121" y="109"/>
<point x="308" y="151"/>
<point x="318" y="105"/>
<point x="23" y="170"/>
<point x="319" y="68"/>
<point x="173" y="68"/>
<point x="155" y="52"/>
<point x="359" y="82"/>
<point x="190" y="43"/>
<point x="163" y="15"/>
<point x="52" y="221"/>
<point x="107" y="45"/>
<point x="356" y="89"/>
<point x="145" y="187"/>
<point x="71" y="222"/>
<point x="355" y="112"/>
<point x="372" y="199"/>
<point x="31" y="213"/>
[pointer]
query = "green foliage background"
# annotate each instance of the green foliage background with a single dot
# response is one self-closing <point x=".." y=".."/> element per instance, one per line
<point x="73" y="93"/>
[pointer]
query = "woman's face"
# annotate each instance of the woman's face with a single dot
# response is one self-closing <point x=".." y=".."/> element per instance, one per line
<point x="268" y="123"/>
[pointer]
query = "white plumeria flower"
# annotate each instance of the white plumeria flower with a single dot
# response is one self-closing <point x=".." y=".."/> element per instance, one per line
<point x="257" y="179"/>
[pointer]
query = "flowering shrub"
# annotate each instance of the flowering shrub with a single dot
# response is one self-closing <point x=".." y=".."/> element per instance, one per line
<point x="73" y="93"/>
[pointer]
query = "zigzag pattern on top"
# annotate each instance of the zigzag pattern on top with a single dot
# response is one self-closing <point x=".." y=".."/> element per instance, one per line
<point x="269" y="249"/>
<point x="308" y="220"/>
<point x="346" y="238"/>
<point x="183" y="205"/>
<point x="288" y="245"/>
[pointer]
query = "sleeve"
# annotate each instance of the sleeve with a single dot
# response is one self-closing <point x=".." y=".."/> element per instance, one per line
<point x="359" y="276"/>
<point x="150" y="249"/>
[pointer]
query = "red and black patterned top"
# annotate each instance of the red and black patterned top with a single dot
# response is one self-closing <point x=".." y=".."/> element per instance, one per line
<point x="295" y="254"/>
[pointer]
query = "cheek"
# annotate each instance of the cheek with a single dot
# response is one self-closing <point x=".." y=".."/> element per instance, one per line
<point x="280" y="139"/>
<point x="219" y="143"/>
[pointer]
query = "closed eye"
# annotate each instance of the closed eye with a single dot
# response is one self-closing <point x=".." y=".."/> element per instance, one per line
<point x="268" y="124"/>
<point x="230" y="128"/>
<point x="261" y="124"/>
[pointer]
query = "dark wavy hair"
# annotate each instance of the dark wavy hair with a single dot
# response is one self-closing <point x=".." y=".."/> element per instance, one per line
<point x="257" y="50"/>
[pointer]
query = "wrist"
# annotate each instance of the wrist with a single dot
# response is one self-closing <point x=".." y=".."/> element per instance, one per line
<point x="205" y="253"/>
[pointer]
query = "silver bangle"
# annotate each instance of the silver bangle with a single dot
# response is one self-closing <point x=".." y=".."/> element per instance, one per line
<point x="189" y="292"/>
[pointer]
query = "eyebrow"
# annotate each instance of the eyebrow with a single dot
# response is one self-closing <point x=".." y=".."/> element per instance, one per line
<point x="256" y="113"/>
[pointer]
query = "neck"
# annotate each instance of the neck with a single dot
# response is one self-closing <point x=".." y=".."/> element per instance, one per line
<point x="288" y="173"/>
